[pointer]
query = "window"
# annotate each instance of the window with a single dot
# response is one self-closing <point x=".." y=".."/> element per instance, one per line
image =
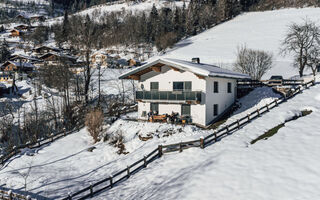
<point x="154" y="85"/>
<point x="144" y="113"/>
<point x="182" y="86"/>
<point x="185" y="109"/>
<point x="215" y="87"/>
<point x="229" y="87"/>
<point x="215" y="109"/>
<point x="154" y="107"/>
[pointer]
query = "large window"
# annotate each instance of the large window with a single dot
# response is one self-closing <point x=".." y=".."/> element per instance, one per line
<point x="154" y="107"/>
<point x="154" y="85"/>
<point x="215" y="109"/>
<point x="185" y="110"/>
<point x="182" y="86"/>
<point x="215" y="87"/>
<point x="229" y="87"/>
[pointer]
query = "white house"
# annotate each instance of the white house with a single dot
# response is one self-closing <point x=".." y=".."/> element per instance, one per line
<point x="193" y="89"/>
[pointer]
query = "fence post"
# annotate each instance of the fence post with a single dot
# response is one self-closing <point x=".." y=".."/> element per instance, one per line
<point x="248" y="117"/>
<point x="276" y="102"/>
<point x="91" y="190"/>
<point x="145" y="161"/>
<point x="15" y="149"/>
<point x="215" y="136"/>
<point x="238" y="123"/>
<point x="160" y="150"/>
<point x="64" y="130"/>
<point x="258" y="112"/>
<point x="69" y="196"/>
<point x="180" y="147"/>
<point x="39" y="143"/>
<point x="128" y="171"/>
<point x="227" y="129"/>
<point x="202" y="142"/>
<point x="267" y="107"/>
<point x="111" y="182"/>
<point x="10" y="194"/>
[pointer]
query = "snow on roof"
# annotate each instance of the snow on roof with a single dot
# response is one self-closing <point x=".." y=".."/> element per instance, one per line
<point x="197" y="68"/>
<point x="20" y="64"/>
<point x="23" y="56"/>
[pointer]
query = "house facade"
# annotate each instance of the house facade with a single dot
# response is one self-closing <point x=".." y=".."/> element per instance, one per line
<point x="200" y="91"/>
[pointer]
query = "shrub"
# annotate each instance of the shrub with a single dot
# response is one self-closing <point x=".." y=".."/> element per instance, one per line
<point x="93" y="122"/>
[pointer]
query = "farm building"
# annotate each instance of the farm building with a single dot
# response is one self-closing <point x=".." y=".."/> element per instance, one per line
<point x="200" y="92"/>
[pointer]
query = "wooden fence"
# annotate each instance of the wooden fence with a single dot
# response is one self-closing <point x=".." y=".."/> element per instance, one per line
<point x="9" y="195"/>
<point x="117" y="177"/>
<point x="260" y="83"/>
<point x="124" y="174"/>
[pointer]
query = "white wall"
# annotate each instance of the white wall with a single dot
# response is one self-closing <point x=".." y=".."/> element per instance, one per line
<point x="166" y="78"/>
<point x="201" y="113"/>
<point x="222" y="98"/>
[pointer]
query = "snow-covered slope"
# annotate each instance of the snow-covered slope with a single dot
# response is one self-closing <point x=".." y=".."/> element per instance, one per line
<point x="121" y="6"/>
<point x="257" y="30"/>
<point x="283" y="167"/>
<point x="78" y="167"/>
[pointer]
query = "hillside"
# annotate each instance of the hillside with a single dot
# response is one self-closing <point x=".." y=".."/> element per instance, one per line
<point x="256" y="30"/>
<point x="121" y="6"/>
<point x="285" y="166"/>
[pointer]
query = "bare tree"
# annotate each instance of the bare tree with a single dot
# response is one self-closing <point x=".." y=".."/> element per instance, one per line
<point x="314" y="58"/>
<point x="300" y="40"/>
<point x="253" y="62"/>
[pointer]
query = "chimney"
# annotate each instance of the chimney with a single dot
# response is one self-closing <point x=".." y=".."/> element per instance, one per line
<point x="196" y="60"/>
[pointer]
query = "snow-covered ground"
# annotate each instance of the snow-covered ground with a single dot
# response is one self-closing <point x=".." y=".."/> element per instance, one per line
<point x="256" y="30"/>
<point x="78" y="167"/>
<point x="121" y="6"/>
<point x="284" y="166"/>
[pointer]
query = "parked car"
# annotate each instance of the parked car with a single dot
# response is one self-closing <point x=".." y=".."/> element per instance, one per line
<point x="275" y="80"/>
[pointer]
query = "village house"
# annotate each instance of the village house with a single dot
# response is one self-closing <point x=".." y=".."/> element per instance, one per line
<point x="16" y="33"/>
<point x="99" y="58"/>
<point x="20" y="67"/>
<point x="45" y="49"/>
<point x="200" y="91"/>
<point x="133" y="62"/>
<point x="22" y="58"/>
<point x="37" y="18"/>
<point x="58" y="58"/>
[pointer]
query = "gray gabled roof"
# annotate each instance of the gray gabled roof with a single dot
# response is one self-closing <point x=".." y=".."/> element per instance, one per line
<point x="196" y="68"/>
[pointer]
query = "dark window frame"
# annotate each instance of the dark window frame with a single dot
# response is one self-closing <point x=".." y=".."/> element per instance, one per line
<point x="215" y="109"/>
<point x="152" y="84"/>
<point x="229" y="87"/>
<point x="184" y="85"/>
<point x="215" y="87"/>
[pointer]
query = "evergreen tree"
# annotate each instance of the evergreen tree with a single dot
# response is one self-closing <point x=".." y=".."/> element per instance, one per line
<point x="4" y="51"/>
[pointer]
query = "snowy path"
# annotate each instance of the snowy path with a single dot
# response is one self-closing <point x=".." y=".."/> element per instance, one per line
<point x="283" y="167"/>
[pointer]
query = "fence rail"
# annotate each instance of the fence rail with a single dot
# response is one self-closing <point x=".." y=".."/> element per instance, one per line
<point x="109" y="182"/>
<point x="259" y="83"/>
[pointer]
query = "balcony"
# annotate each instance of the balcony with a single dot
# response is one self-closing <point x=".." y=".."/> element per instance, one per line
<point x="168" y="96"/>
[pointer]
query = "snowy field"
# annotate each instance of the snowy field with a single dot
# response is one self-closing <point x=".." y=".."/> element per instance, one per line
<point x="282" y="167"/>
<point x="256" y="30"/>
<point x="78" y="167"/>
